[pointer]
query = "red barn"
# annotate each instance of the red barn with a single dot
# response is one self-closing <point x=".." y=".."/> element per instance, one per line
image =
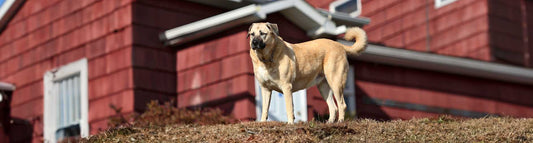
<point x="63" y="62"/>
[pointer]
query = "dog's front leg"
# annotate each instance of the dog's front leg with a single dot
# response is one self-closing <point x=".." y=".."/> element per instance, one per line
<point x="265" y="93"/>
<point x="287" y="93"/>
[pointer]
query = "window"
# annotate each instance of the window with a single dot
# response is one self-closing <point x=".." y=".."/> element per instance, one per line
<point x="277" y="110"/>
<point x="350" y="7"/>
<point x="66" y="102"/>
<point x="441" y="3"/>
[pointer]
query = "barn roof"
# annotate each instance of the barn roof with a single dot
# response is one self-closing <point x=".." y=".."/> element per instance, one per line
<point x="317" y="23"/>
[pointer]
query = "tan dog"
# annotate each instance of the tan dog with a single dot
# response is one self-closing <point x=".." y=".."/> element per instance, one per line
<point x="287" y="67"/>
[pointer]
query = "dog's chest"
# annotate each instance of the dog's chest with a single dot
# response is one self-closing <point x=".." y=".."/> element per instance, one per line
<point x="264" y="76"/>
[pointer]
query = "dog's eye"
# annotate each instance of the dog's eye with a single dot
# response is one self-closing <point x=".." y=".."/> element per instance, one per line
<point x="248" y="35"/>
<point x="261" y="33"/>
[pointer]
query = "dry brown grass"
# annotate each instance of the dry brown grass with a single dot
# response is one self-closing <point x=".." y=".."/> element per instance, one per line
<point x="492" y="129"/>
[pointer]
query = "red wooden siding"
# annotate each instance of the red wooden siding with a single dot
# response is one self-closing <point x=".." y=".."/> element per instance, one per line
<point x="212" y="72"/>
<point x="449" y="94"/>
<point x="511" y="26"/>
<point x="437" y="90"/>
<point x="47" y="34"/>
<point x="506" y="37"/>
<point x="323" y="4"/>
<point x="458" y="29"/>
<point x="217" y="73"/>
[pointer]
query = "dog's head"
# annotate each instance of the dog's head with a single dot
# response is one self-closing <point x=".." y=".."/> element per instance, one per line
<point x="262" y="34"/>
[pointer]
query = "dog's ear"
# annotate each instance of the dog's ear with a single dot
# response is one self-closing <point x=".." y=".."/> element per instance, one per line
<point x="249" y="28"/>
<point x="273" y="27"/>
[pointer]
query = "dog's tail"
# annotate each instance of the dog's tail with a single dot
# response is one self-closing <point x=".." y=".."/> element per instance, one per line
<point x="360" y="40"/>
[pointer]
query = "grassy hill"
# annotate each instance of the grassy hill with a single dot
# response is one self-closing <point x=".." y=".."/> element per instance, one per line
<point x="443" y="129"/>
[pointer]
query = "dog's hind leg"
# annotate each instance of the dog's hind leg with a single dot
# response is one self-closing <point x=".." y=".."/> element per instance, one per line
<point x="327" y="94"/>
<point x="265" y="93"/>
<point x="339" y="97"/>
<point x="337" y="86"/>
<point x="336" y="72"/>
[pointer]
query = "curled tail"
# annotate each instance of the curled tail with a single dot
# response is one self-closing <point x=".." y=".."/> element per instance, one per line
<point x="360" y="40"/>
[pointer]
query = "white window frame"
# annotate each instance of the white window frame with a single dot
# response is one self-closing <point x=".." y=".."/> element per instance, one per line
<point x="340" y="2"/>
<point x="51" y="104"/>
<point x="349" y="92"/>
<point x="441" y="3"/>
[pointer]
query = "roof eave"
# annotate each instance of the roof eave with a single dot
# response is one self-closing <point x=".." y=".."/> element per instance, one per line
<point x="6" y="87"/>
<point x="211" y="25"/>
<point x="299" y="12"/>
<point x="445" y="64"/>
<point x="345" y="19"/>
<point x="7" y="13"/>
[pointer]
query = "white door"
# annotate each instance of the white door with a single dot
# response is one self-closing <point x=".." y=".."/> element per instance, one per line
<point x="277" y="111"/>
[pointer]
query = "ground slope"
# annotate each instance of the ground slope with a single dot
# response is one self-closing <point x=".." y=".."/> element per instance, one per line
<point x="493" y="129"/>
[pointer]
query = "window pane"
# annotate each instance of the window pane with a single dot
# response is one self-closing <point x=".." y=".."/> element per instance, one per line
<point x="69" y="106"/>
<point x="77" y="98"/>
<point x="59" y="93"/>
<point x="68" y="94"/>
<point x="64" y="99"/>
<point x="348" y="7"/>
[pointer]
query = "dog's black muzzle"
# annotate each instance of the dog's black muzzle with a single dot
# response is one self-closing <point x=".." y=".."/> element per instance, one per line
<point x="258" y="44"/>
